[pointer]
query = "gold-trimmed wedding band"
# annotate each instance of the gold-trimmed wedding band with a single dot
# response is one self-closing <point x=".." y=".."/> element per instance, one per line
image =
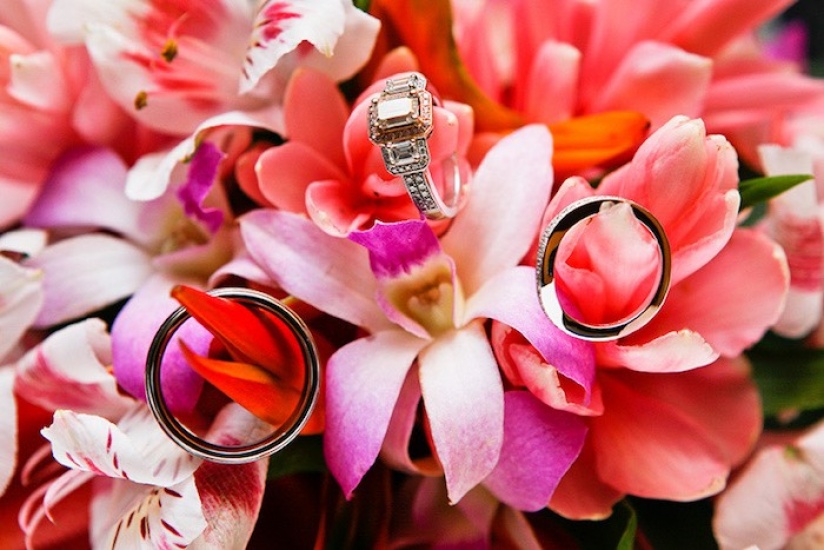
<point x="545" y="270"/>
<point x="282" y="435"/>
<point x="400" y="123"/>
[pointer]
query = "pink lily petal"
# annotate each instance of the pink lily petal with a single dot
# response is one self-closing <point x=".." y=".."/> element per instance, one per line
<point x="327" y="272"/>
<point x="332" y="206"/>
<point x="132" y="333"/>
<point x="778" y="495"/>
<point x="284" y="172"/>
<point x="751" y="92"/>
<point x="554" y="74"/>
<point x="363" y="380"/>
<point x="582" y="494"/>
<point x="678" y="351"/>
<point x="203" y="170"/>
<point x="730" y="313"/>
<point x="510" y="298"/>
<point x="85" y="189"/>
<point x="131" y="515"/>
<point x="689" y="182"/>
<point x="32" y="82"/>
<point x="70" y="370"/>
<point x="675" y="436"/>
<point x="86" y="273"/>
<point x="704" y="27"/>
<point x="659" y="80"/>
<point x="306" y="92"/>
<point x="407" y="262"/>
<point x="467" y="425"/>
<point x="135" y="449"/>
<point x="8" y="428"/>
<point x="795" y="225"/>
<point x="522" y="157"/>
<point x="151" y="174"/>
<point x="539" y="446"/>
<point x="21" y="297"/>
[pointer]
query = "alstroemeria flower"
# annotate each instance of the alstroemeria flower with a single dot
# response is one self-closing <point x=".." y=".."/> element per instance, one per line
<point x="727" y="288"/>
<point x="329" y="170"/>
<point x="144" y="487"/>
<point x="553" y="60"/>
<point x="778" y="499"/>
<point x="424" y="303"/>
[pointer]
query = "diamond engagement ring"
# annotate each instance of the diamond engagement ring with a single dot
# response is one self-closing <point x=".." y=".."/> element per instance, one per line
<point x="548" y="295"/>
<point x="281" y="436"/>
<point x="400" y="122"/>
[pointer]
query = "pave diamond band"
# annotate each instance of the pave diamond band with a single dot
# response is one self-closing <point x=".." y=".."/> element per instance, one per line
<point x="400" y="123"/>
<point x="545" y="270"/>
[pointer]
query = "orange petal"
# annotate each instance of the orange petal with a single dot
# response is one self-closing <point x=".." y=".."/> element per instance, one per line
<point x="250" y="335"/>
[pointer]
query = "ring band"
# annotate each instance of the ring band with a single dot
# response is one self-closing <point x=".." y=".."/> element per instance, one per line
<point x="238" y="454"/>
<point x="400" y="122"/>
<point x="547" y="293"/>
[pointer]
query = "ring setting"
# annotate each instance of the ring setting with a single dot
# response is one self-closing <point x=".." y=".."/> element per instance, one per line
<point x="551" y="239"/>
<point x="400" y="123"/>
<point x="277" y="439"/>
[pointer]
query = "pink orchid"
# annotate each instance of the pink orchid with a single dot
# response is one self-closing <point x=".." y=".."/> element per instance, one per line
<point x="777" y="501"/>
<point x="553" y="60"/>
<point x="143" y="486"/>
<point x="728" y="287"/>
<point x="330" y="171"/>
<point x="424" y="302"/>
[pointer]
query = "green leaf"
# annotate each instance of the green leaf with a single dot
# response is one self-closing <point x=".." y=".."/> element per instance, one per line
<point x="757" y="190"/>
<point x="627" y="541"/>
<point x="363" y="5"/>
<point x="617" y="531"/>
<point x="789" y="375"/>
<point x="304" y="454"/>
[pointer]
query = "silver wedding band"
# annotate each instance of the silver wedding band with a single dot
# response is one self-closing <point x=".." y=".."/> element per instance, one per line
<point x="400" y="122"/>
<point x="237" y="454"/>
<point x="547" y="250"/>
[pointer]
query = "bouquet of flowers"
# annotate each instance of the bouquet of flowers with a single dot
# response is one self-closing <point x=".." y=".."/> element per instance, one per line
<point x="325" y="219"/>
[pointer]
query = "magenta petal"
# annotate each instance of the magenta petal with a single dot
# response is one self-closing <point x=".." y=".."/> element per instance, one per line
<point x="512" y="299"/>
<point x="396" y="248"/>
<point x="363" y="380"/>
<point x="463" y="397"/>
<point x="202" y="172"/>
<point x="540" y="444"/>
<point x="132" y="334"/>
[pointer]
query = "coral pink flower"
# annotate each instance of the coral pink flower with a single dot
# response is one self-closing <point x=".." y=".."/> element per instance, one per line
<point x="553" y="60"/>
<point x="424" y="302"/>
<point x="727" y="288"/>
<point x="778" y="499"/>
<point x="329" y="170"/>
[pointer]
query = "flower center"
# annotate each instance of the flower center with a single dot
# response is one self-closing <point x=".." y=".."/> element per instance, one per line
<point x="426" y="296"/>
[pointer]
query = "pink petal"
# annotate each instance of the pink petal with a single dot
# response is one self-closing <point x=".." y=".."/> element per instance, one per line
<point x="307" y="92"/>
<point x="658" y="80"/>
<point x="32" y="82"/>
<point x="705" y="26"/>
<point x="666" y="353"/>
<point x="554" y="74"/>
<point x="511" y="187"/>
<point x="778" y="495"/>
<point x="395" y="449"/>
<point x="42" y="502"/>
<point x="281" y="25"/>
<point x="539" y="446"/>
<point x="463" y="397"/>
<point x="363" y="380"/>
<point x="733" y="300"/>
<point x="132" y="333"/>
<point x="511" y="299"/>
<point x="675" y="436"/>
<point x="21" y="297"/>
<point x="284" y="172"/>
<point x="334" y="206"/>
<point x="85" y="189"/>
<point x="328" y="272"/>
<point x="132" y="515"/>
<point x="86" y="273"/>
<point x="8" y="428"/>
<point x="70" y="370"/>
<point x="203" y="169"/>
<point x="582" y="494"/>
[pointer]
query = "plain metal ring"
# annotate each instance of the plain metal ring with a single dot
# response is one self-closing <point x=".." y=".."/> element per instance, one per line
<point x="237" y="454"/>
<point x="545" y="270"/>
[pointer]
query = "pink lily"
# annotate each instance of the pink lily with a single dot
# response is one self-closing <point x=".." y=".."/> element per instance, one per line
<point x="424" y="303"/>
<point x="777" y="501"/>
<point x="143" y="486"/>
<point x="728" y="288"/>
